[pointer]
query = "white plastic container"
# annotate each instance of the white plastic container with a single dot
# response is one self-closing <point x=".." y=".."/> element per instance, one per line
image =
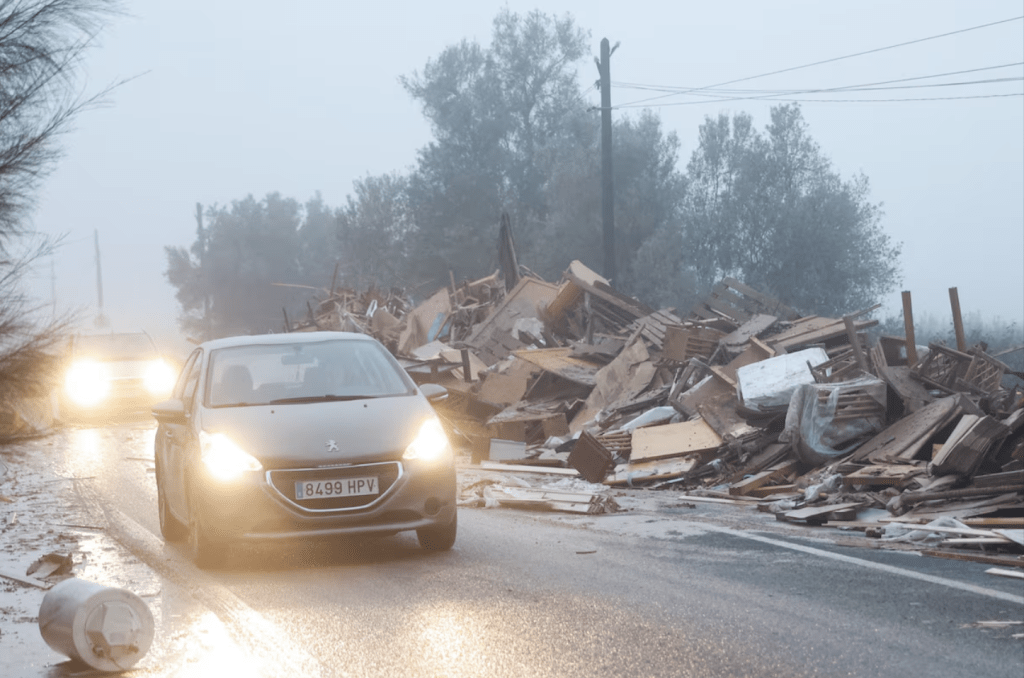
<point x="109" y="629"/>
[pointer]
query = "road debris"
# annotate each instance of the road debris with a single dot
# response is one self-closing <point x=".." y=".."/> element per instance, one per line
<point x="740" y="400"/>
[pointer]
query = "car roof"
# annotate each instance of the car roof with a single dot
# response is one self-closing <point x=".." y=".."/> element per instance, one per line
<point x="286" y="338"/>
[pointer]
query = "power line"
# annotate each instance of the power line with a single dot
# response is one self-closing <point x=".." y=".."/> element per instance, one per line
<point x="827" y="61"/>
<point x="719" y="97"/>
<point x="849" y="101"/>
<point x="687" y="90"/>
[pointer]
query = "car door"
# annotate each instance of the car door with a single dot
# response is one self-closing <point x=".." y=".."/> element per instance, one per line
<point x="179" y="437"/>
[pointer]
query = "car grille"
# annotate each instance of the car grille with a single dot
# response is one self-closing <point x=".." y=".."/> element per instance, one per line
<point x="283" y="481"/>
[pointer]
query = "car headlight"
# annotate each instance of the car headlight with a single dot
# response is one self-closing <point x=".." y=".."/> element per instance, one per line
<point x="159" y="378"/>
<point x="87" y="383"/>
<point x="431" y="443"/>
<point x="225" y="460"/>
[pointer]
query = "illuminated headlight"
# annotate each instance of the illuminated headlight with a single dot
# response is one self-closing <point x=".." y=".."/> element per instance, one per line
<point x="159" y="378"/>
<point x="223" y="458"/>
<point x="87" y="383"/>
<point x="431" y="443"/>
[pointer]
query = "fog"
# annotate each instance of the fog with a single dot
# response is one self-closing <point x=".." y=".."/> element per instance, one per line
<point x="235" y="98"/>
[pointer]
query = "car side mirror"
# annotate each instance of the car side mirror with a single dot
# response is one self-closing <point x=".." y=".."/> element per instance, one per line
<point x="169" y="411"/>
<point x="435" y="393"/>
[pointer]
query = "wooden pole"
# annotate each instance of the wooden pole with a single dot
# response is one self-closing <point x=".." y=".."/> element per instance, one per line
<point x="908" y="328"/>
<point x="851" y="334"/>
<point x="958" y="321"/>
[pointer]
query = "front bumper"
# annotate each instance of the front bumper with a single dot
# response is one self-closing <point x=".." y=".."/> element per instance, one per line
<point x="254" y="509"/>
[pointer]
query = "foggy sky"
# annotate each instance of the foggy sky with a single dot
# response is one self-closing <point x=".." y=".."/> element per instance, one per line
<point x="246" y="97"/>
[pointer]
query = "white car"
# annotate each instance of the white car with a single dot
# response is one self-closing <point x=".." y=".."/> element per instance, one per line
<point x="300" y="435"/>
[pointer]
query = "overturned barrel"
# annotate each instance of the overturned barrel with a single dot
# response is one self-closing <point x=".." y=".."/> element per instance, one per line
<point x="107" y="628"/>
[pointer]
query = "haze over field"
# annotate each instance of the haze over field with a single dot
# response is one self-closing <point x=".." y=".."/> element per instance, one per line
<point x="239" y="98"/>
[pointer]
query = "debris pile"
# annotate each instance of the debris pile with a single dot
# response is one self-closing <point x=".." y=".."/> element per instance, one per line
<point x="741" y="399"/>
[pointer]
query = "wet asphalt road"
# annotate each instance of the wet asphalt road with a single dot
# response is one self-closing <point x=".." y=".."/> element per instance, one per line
<point x="672" y="593"/>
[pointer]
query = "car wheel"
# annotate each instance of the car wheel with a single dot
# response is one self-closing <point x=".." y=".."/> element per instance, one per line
<point x="170" y="527"/>
<point x="438" y="537"/>
<point x="205" y="551"/>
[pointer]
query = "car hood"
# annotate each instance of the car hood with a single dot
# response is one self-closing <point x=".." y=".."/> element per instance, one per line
<point x="301" y="434"/>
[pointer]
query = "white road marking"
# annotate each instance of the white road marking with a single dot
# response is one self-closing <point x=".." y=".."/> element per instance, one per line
<point x="891" y="569"/>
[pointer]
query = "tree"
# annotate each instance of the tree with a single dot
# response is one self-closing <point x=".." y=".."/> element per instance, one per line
<point x="373" y="231"/>
<point x="648" y="198"/>
<point x="41" y="46"/>
<point x="244" y="264"/>
<point x="770" y="210"/>
<point x="493" y="111"/>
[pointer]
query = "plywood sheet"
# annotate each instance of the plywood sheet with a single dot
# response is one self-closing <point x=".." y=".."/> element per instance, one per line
<point x="673" y="440"/>
<point x="559" y="361"/>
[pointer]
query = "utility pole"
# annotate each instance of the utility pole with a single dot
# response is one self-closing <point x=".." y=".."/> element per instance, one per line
<point x="607" y="184"/>
<point x="101" y="320"/>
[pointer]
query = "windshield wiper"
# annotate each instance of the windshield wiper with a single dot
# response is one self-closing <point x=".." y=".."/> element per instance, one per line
<point x="320" y="399"/>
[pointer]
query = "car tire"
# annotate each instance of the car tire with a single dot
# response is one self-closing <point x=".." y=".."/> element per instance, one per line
<point x="203" y="550"/>
<point x="439" y="537"/>
<point x="170" y="527"/>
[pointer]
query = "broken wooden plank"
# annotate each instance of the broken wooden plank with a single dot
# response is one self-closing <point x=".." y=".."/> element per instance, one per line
<point x="967" y="446"/>
<point x="523" y="468"/>
<point x="815" y="514"/>
<point x="905" y="438"/>
<point x="747" y="485"/>
<point x="665" y="469"/>
<point x="883" y="475"/>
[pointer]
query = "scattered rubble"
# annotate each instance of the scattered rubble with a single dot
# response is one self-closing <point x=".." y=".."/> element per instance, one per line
<point x="741" y="400"/>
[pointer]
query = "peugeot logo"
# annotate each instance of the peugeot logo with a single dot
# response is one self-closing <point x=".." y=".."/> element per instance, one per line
<point x="332" y="446"/>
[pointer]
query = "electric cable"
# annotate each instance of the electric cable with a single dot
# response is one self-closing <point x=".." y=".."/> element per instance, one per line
<point x="632" y="104"/>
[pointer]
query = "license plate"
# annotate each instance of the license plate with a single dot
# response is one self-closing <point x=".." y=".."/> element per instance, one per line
<point x="345" y="487"/>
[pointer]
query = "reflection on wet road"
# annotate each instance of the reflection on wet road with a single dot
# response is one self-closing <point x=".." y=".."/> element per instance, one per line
<point x="520" y="595"/>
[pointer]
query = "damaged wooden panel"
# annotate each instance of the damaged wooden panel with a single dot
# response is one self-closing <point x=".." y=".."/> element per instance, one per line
<point x="733" y="300"/>
<point x="904" y="439"/>
<point x="674" y="440"/>
<point x="503" y="389"/>
<point x="419" y="321"/>
<point x="560" y="361"/>
<point x="622" y="309"/>
<point x="654" y="327"/>
<point x="749" y="330"/>
<point x="719" y="411"/>
<point x="685" y="342"/>
<point x="592" y="459"/>
<point x="967" y="445"/>
<point x="622" y="379"/>
<point x="528" y="421"/>
<point x="493" y="338"/>
<point x="813" y="330"/>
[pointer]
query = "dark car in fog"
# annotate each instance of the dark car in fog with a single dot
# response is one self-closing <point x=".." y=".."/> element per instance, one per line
<point x="292" y="436"/>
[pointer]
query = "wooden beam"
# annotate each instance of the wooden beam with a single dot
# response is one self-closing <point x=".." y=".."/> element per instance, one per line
<point x="958" y="321"/>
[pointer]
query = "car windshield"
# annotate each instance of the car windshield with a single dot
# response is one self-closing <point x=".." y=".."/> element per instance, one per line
<point x="302" y="372"/>
<point x="135" y="346"/>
